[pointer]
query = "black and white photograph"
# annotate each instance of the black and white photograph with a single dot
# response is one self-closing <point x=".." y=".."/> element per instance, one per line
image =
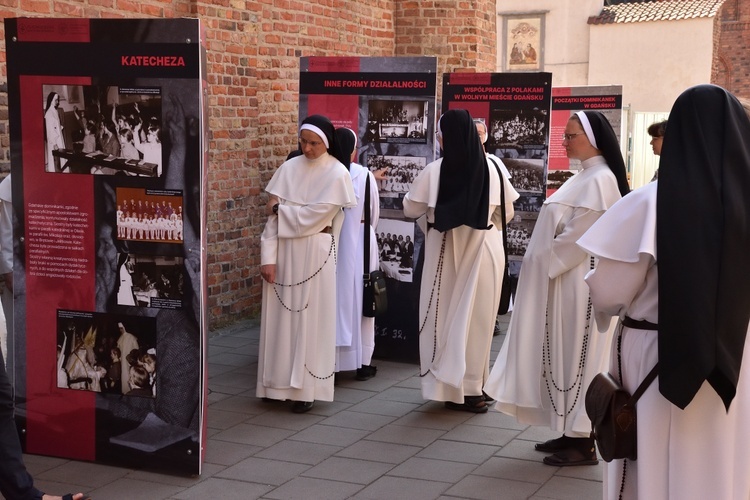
<point x="398" y="172"/>
<point x="396" y="121"/>
<point x="151" y="215"/>
<point x="556" y="178"/>
<point x="526" y="175"/>
<point x="519" y="234"/>
<point x="106" y="353"/>
<point x="517" y="128"/>
<point x="528" y="202"/>
<point x="150" y="281"/>
<point x="103" y="130"/>
<point x="396" y="246"/>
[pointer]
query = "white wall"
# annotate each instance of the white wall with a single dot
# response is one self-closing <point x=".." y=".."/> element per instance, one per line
<point x="566" y="35"/>
<point x="653" y="61"/>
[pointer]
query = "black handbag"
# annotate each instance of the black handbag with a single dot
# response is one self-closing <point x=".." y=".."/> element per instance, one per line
<point x="506" y="289"/>
<point x="374" y="296"/>
<point x="611" y="410"/>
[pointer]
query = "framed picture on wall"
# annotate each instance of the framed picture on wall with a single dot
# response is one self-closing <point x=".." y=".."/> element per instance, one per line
<point x="523" y="42"/>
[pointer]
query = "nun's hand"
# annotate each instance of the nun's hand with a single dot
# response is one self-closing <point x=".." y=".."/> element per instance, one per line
<point x="268" y="272"/>
<point x="272" y="200"/>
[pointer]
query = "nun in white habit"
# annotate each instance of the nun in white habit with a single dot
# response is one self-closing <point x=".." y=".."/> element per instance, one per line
<point x="298" y="253"/>
<point x="552" y="350"/>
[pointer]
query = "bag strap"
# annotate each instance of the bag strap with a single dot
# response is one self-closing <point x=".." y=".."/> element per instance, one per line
<point x="644" y="385"/>
<point x="502" y="211"/>
<point x="367" y="227"/>
<point x="651" y="375"/>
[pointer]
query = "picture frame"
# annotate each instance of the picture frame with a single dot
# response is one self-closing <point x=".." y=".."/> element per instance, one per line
<point x="523" y="42"/>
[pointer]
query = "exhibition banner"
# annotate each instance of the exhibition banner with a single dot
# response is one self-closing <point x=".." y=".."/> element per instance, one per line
<point x="108" y="166"/>
<point x="606" y="99"/>
<point x="515" y="108"/>
<point x="390" y="103"/>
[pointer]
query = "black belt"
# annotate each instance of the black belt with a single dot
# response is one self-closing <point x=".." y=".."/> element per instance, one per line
<point x="641" y="324"/>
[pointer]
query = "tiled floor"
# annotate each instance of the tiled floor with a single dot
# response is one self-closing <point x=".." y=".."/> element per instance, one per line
<point x="378" y="440"/>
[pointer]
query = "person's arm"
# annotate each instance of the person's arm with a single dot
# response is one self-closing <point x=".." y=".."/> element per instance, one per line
<point x="614" y="284"/>
<point x="114" y="117"/>
<point x="566" y="254"/>
<point x="137" y="138"/>
<point x="297" y="221"/>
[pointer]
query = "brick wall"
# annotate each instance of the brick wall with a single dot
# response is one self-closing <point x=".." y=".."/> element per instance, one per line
<point x="253" y="64"/>
<point x="460" y="33"/>
<point x="731" y="61"/>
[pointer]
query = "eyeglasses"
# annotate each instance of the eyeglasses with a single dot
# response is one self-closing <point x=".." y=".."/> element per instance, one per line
<point x="568" y="137"/>
<point x="305" y="142"/>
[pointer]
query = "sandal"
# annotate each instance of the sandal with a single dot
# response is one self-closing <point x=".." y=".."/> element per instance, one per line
<point x="473" y="404"/>
<point x="555" y="445"/>
<point x="571" y="456"/>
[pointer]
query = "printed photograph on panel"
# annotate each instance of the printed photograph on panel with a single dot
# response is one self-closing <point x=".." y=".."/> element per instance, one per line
<point x="526" y="175"/>
<point x="150" y="281"/>
<point x="397" y="121"/>
<point x="396" y="246"/>
<point x="152" y="215"/>
<point x="106" y="353"/>
<point x="103" y="130"/>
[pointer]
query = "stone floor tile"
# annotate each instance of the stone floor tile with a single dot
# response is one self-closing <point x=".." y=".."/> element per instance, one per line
<point x="496" y="419"/>
<point x="514" y="469"/>
<point x="253" y="434"/>
<point x="380" y="407"/>
<point x="233" y="379"/>
<point x="308" y="488"/>
<point x="299" y="452"/>
<point x="349" y="470"/>
<point x="432" y="470"/>
<point x="89" y="474"/>
<point x="128" y="489"/>
<point x="379" y="452"/>
<point x="207" y="470"/>
<point x="214" y="386"/>
<point x="356" y="420"/>
<point x="325" y="434"/>
<point x="402" y="487"/>
<point x="232" y="358"/>
<point x="226" y="489"/>
<point x="470" y="453"/>
<point x="488" y="488"/>
<point x="566" y="488"/>
<point x="482" y="435"/>
<point x="352" y="395"/>
<point x="241" y="404"/>
<point x="402" y="394"/>
<point x="441" y="420"/>
<point x="279" y="415"/>
<point x="231" y="341"/>
<point x="406" y="435"/>
<point x="217" y="419"/>
<point x="263" y="471"/>
<point x="226" y="453"/>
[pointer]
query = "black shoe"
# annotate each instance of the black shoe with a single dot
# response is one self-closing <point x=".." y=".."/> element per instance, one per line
<point x="582" y="453"/>
<point x="497" y="330"/>
<point x="302" y="406"/>
<point x="366" y="372"/>
<point x="555" y="445"/>
<point x="487" y="398"/>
